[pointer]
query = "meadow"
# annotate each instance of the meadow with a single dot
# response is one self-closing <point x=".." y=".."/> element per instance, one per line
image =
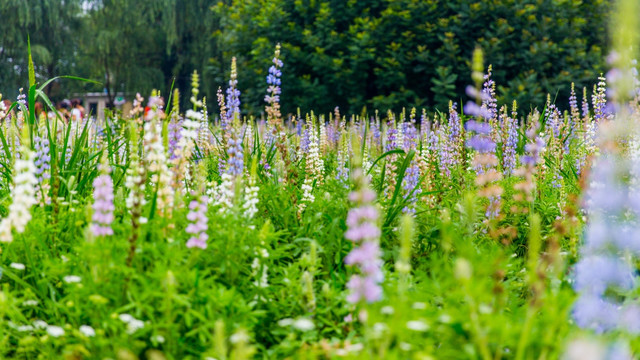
<point x="491" y="231"/>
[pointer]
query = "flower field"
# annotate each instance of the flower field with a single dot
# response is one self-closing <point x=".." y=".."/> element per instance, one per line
<point x="489" y="231"/>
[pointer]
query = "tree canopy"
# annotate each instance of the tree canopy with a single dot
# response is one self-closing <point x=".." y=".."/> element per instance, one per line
<point x="353" y="54"/>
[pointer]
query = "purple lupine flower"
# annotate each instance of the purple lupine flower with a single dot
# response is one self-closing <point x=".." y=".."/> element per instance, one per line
<point x="375" y="130"/>
<point x="299" y="127"/>
<point x="483" y="142"/>
<point x="554" y="119"/>
<point x="488" y="97"/>
<point x="603" y="266"/>
<point x="410" y="136"/>
<point x="392" y="136"/>
<point x="197" y="227"/>
<point x="573" y="101"/>
<point x="445" y="151"/>
<point x="174" y="129"/>
<point x="305" y="140"/>
<point x="455" y="133"/>
<point x="509" y="146"/>
<point x="233" y="94"/>
<point x="235" y="162"/>
<point x="42" y="158"/>
<point x="533" y="149"/>
<point x="585" y="104"/>
<point x="410" y="184"/>
<point x="342" y="171"/>
<point x="362" y="229"/>
<point x="274" y="82"/>
<point x="103" y="204"/>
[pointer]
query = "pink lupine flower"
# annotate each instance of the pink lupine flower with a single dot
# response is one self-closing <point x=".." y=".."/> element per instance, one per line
<point x="198" y="223"/>
<point x="102" y="206"/>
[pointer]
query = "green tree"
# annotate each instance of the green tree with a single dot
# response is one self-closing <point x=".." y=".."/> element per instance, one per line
<point x="52" y="26"/>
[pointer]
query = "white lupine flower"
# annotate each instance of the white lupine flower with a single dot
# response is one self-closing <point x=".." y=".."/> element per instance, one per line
<point x="307" y="195"/>
<point x="323" y="136"/>
<point x="250" y="200"/>
<point x="157" y="165"/>
<point x="260" y="273"/>
<point x="315" y="164"/>
<point x="225" y="194"/>
<point x="23" y="195"/>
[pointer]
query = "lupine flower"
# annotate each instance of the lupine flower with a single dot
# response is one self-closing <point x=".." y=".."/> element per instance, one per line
<point x="411" y="186"/>
<point x="197" y="227"/>
<point x="42" y="162"/>
<point x="488" y="97"/>
<point x="175" y="134"/>
<point x="599" y="100"/>
<point x="606" y="275"/>
<point x="392" y="136"/>
<point x="42" y="158"/>
<point x="224" y="194"/>
<point x="362" y="230"/>
<point x="250" y="200"/>
<point x="485" y="161"/>
<point x="314" y="161"/>
<point x="235" y="163"/>
<point x="273" y="90"/>
<point x="103" y="202"/>
<point x="23" y="195"/>
<point x="304" y="140"/>
<point x="156" y="163"/>
<point x="233" y="94"/>
<point x="573" y="105"/>
<point x="509" y="145"/>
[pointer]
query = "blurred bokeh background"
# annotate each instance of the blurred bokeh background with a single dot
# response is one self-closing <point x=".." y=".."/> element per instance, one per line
<point x="355" y="54"/>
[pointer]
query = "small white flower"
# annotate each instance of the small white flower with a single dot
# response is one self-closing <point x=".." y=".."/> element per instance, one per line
<point x="125" y="318"/>
<point x="55" y="331"/>
<point x="17" y="266"/>
<point x="387" y="310"/>
<point x="25" y="328"/>
<point x="158" y="338"/>
<point x="405" y="346"/>
<point x="134" y="326"/>
<point x="303" y="324"/>
<point x="143" y="220"/>
<point x="30" y="303"/>
<point x="285" y="322"/>
<point x="417" y="325"/>
<point x="419" y="306"/>
<point x="239" y="337"/>
<point x="39" y="324"/>
<point x="87" y="331"/>
<point x="72" y="279"/>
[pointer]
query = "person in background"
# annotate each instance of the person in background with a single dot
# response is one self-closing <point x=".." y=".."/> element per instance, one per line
<point x="63" y="108"/>
<point x="77" y="111"/>
<point x="40" y="113"/>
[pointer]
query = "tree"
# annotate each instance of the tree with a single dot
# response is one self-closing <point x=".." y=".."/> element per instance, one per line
<point x="51" y="25"/>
